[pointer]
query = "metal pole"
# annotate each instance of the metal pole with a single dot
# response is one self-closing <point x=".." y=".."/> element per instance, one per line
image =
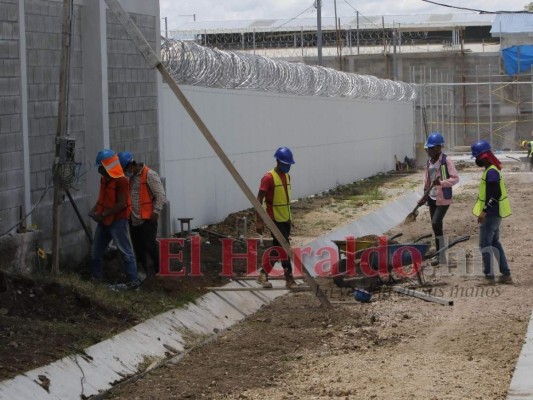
<point x="80" y="218"/>
<point x="384" y="40"/>
<point x="477" y="105"/>
<point x="430" y="101"/>
<point x="319" y="31"/>
<point x="422" y="104"/>
<point x="302" y="40"/>
<point x="490" y="105"/>
<point x="60" y="132"/>
<point x="442" y="101"/>
<point x="350" y="39"/>
<point x="337" y="39"/>
<point x="166" y="28"/>
<point x="394" y="59"/>
<point x="357" y="32"/>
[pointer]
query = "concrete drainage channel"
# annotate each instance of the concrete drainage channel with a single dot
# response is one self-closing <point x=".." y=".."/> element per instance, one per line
<point x="169" y="336"/>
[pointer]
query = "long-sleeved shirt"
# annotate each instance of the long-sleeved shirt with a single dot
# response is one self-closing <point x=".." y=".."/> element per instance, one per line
<point x="493" y="193"/>
<point x="452" y="180"/>
<point x="156" y="189"/>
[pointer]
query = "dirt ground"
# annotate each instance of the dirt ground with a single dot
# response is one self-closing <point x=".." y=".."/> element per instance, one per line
<point x="395" y="347"/>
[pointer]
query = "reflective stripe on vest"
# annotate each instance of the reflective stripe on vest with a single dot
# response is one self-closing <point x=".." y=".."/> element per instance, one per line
<point x="112" y="166"/>
<point x="504" y="206"/>
<point x="146" y="198"/>
<point x="107" y="198"/>
<point x="281" y="200"/>
<point x="444" y="174"/>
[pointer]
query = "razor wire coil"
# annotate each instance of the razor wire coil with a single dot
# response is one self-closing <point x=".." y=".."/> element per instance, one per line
<point x="191" y="64"/>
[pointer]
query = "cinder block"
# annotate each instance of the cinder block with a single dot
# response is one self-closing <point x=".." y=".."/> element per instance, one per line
<point x="5" y="124"/>
<point x="14" y="49"/>
<point x="16" y="123"/>
<point x="15" y="178"/>
<point x="14" y="86"/>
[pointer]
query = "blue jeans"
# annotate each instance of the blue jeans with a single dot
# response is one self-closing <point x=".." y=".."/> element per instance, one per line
<point x="119" y="232"/>
<point x="489" y="244"/>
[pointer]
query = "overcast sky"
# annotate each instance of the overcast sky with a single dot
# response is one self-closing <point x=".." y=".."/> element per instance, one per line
<point x="179" y="12"/>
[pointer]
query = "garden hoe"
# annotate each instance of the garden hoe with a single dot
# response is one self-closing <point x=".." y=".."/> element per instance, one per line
<point x="411" y="217"/>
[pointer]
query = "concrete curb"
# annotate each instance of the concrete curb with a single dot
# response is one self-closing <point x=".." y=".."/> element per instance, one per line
<point x="131" y="352"/>
<point x="522" y="385"/>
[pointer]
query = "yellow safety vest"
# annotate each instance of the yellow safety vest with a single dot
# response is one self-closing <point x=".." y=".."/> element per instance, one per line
<point x="503" y="201"/>
<point x="281" y="201"/>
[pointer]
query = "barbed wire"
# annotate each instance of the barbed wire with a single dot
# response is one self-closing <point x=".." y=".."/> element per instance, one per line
<point x="192" y="64"/>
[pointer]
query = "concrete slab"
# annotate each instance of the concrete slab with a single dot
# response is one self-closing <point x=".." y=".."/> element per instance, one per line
<point x="522" y="385"/>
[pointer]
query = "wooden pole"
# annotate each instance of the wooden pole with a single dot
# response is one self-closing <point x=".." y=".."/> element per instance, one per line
<point x="151" y="58"/>
<point x="60" y="132"/>
<point x="257" y="289"/>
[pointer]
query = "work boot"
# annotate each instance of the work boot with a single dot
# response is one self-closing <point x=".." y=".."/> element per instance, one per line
<point x="290" y="283"/>
<point x="489" y="280"/>
<point x="262" y="279"/>
<point x="505" y="279"/>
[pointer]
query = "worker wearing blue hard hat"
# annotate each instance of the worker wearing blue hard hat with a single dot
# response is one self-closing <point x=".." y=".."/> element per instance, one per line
<point x="148" y="199"/>
<point x="491" y="206"/>
<point x="112" y="212"/>
<point x="440" y="175"/>
<point x="275" y="192"/>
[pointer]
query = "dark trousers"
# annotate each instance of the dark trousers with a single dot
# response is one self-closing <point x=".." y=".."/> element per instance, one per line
<point x="437" y="214"/>
<point x="144" y="242"/>
<point x="285" y="229"/>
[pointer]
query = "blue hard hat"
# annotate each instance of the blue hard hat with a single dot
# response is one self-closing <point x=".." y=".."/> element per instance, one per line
<point x="102" y="155"/>
<point x="434" y="139"/>
<point x="125" y="157"/>
<point x="284" y="155"/>
<point x="479" y="148"/>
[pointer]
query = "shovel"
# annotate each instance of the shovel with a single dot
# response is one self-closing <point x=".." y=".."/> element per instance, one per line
<point x="413" y="214"/>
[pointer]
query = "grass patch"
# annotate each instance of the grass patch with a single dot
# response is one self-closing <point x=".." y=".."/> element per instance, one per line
<point x="141" y="305"/>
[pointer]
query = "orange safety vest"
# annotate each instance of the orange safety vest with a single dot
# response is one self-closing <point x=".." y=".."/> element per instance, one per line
<point x="147" y="199"/>
<point x="107" y="198"/>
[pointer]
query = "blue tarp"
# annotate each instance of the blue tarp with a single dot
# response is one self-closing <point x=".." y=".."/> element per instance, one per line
<point x="517" y="59"/>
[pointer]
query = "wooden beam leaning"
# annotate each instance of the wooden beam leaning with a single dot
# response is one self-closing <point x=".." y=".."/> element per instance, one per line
<point x="153" y="60"/>
<point x="423" y="296"/>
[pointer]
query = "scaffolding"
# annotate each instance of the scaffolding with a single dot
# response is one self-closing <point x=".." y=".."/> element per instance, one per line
<point x="487" y="105"/>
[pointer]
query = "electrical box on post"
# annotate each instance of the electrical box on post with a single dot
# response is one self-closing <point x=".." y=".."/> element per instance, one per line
<point x="67" y="147"/>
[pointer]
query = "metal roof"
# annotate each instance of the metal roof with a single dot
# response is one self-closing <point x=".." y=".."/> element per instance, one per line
<point x="420" y="22"/>
<point x="512" y="25"/>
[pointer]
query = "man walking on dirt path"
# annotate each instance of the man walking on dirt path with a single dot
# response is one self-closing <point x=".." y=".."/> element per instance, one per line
<point x="491" y="206"/>
<point x="440" y="176"/>
<point x="112" y="212"/>
<point x="275" y="191"/>
<point x="147" y="201"/>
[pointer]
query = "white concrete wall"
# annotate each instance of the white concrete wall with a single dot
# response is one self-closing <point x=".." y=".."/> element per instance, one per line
<point x="334" y="141"/>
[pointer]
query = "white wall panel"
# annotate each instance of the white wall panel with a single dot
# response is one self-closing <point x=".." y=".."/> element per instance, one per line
<point x="334" y="141"/>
